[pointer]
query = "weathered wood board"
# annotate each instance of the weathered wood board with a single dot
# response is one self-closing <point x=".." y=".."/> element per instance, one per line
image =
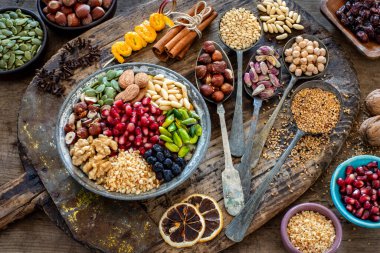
<point x="115" y="226"/>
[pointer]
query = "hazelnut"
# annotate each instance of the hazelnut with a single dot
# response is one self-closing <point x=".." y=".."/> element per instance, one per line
<point x="51" y="17"/>
<point x="141" y="79"/>
<point x="219" y="66"/>
<point x="200" y="71"/>
<point x="228" y="75"/>
<point x="69" y="3"/>
<point x="73" y="20"/>
<point x="93" y="108"/>
<point x="87" y="20"/>
<point x="217" y="80"/>
<point x="95" y="129"/>
<point x="69" y="127"/>
<point x="66" y="10"/>
<point x="60" y="18"/>
<point x="45" y="10"/>
<point x="208" y="47"/>
<point x="204" y="58"/>
<point x="217" y="56"/>
<point x="53" y="6"/>
<point x="80" y="107"/>
<point x="97" y="13"/>
<point x="206" y="90"/>
<point x="82" y="133"/>
<point x="107" y="3"/>
<point x="82" y="10"/>
<point x="210" y="68"/>
<point x="217" y="96"/>
<point x="227" y="88"/>
<point x="207" y="79"/>
<point x="95" y="3"/>
<point x="70" y="138"/>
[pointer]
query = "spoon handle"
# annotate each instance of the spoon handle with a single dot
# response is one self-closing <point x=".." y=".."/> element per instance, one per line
<point x="237" y="130"/>
<point x="245" y="165"/>
<point x="239" y="225"/>
<point x="226" y="147"/>
<point x="261" y="138"/>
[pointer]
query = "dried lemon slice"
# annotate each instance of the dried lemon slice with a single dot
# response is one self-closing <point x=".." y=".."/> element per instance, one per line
<point x="182" y="225"/>
<point x="210" y="211"/>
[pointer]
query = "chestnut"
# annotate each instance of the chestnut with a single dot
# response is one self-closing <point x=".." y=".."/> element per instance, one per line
<point x="217" y="96"/>
<point x="208" y="47"/>
<point x="73" y="20"/>
<point x="82" y="10"/>
<point x="206" y="90"/>
<point x="217" y="80"/>
<point x="82" y="133"/>
<point x="227" y="88"/>
<point x="228" y="75"/>
<point x="200" y="71"/>
<point x="69" y="3"/>
<point x="87" y="20"/>
<point x="95" y="3"/>
<point x="60" y="18"/>
<point x="107" y="3"/>
<point x="217" y="56"/>
<point x="97" y="13"/>
<point x="53" y="6"/>
<point x="204" y="58"/>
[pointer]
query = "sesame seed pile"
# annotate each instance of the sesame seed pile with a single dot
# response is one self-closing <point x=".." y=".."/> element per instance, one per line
<point x="311" y="232"/>
<point x="315" y="110"/>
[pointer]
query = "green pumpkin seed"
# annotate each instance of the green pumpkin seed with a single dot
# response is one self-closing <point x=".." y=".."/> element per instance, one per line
<point x="3" y="64"/>
<point x="1" y="48"/>
<point x="6" y="32"/>
<point x="13" y="14"/>
<point x="20" y="21"/>
<point x="90" y="93"/>
<point x="14" y="37"/>
<point x="100" y="102"/>
<point x="18" y="28"/>
<point x="110" y="75"/>
<point x="104" y="97"/>
<point x="10" y="44"/>
<point x="6" y="16"/>
<point x="25" y="38"/>
<point x="36" y="41"/>
<point x="6" y="56"/>
<point x="28" y="55"/>
<point x="19" y="56"/>
<point x="110" y="92"/>
<point x="8" y="23"/>
<point x="24" y="47"/>
<point x="14" y="30"/>
<point x="19" y="62"/>
<point x="2" y="25"/>
<point x="38" y="31"/>
<point x="32" y="33"/>
<point x="19" y="52"/>
<point x="11" y="59"/>
<point x="115" y="85"/>
<point x="22" y="33"/>
<point x="108" y="101"/>
<point x="100" y="88"/>
<point x="33" y="24"/>
<point x="118" y="72"/>
<point x="2" y="36"/>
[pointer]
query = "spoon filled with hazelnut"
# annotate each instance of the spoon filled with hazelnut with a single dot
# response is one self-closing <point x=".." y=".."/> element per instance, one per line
<point x="216" y="83"/>
<point x="239" y="30"/>
<point x="305" y="57"/>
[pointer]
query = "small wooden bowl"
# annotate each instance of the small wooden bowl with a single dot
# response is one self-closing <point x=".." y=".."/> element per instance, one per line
<point x="329" y="7"/>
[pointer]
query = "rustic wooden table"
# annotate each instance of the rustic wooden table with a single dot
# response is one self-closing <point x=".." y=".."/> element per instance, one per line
<point x="37" y="233"/>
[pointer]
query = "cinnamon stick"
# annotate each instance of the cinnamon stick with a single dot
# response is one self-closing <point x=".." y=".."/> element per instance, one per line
<point x="182" y="54"/>
<point x="188" y="39"/>
<point x="158" y="47"/>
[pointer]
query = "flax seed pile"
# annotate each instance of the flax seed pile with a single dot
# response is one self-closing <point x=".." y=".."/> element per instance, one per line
<point x="315" y="110"/>
<point x="311" y="232"/>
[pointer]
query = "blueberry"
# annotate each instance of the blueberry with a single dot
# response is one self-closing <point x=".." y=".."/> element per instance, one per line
<point x="167" y="153"/>
<point x="176" y="169"/>
<point x="151" y="160"/>
<point x="157" y="148"/>
<point x="168" y="163"/>
<point x="160" y="156"/>
<point x="180" y="161"/>
<point x="158" y="167"/>
<point x="168" y="175"/>
<point x="148" y="153"/>
<point x="159" y="175"/>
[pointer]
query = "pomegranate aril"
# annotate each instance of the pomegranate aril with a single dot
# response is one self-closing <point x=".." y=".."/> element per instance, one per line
<point x="146" y="101"/>
<point x="145" y="109"/>
<point x="116" y="132"/>
<point x="105" y="113"/>
<point x="144" y="121"/>
<point x="151" y="134"/>
<point x="138" y="140"/>
<point x="107" y="132"/>
<point x="359" y="212"/>
<point x="356" y="194"/>
<point x="138" y="131"/>
<point x="342" y="189"/>
<point x="340" y="182"/>
<point x="349" y="170"/>
<point x="372" y="165"/>
<point x="148" y="145"/>
<point x="374" y="176"/>
<point x="158" y="111"/>
<point x="121" y="140"/>
<point x="116" y="138"/>
<point x="375" y="218"/>
<point x="137" y="105"/>
<point x="349" y="189"/>
<point x="365" y="191"/>
<point x="128" y="144"/>
<point x="120" y="127"/>
<point x="367" y="205"/>
<point x="133" y="119"/>
<point x="124" y="118"/>
<point x="145" y="131"/>
<point x="145" y="139"/>
<point x="130" y="127"/>
<point x="349" y="207"/>
<point x="375" y="210"/>
<point x="365" y="215"/>
<point x="349" y="200"/>
<point x="153" y="109"/>
<point x="365" y="168"/>
<point x="376" y="184"/>
<point x="119" y="103"/>
<point x="122" y="147"/>
<point x="114" y="113"/>
<point x="373" y="197"/>
<point x="153" y="126"/>
<point x="142" y="150"/>
<point x="362" y="178"/>
<point x="357" y="205"/>
<point x="131" y="138"/>
<point x="140" y="111"/>
<point x="154" y="139"/>
<point x="128" y="109"/>
<point x="360" y="171"/>
<point x="364" y="198"/>
<point x="350" y="179"/>
<point x="161" y="118"/>
<point x="358" y="183"/>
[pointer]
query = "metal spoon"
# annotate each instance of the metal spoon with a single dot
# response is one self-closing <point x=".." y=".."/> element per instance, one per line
<point x="237" y="130"/>
<point x="232" y="189"/>
<point x="244" y="167"/>
<point x="236" y="230"/>
<point x="259" y="140"/>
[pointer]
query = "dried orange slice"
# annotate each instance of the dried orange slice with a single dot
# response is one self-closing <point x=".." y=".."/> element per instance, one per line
<point x="182" y="225"/>
<point x="210" y="211"/>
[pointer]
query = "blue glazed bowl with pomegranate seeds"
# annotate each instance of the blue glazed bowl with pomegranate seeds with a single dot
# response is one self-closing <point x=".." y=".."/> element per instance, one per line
<point x="340" y="172"/>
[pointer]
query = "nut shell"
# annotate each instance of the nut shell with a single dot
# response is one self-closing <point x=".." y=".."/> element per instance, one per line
<point x="217" y="96"/>
<point x="141" y="79"/>
<point x="127" y="78"/>
<point x="217" y="80"/>
<point x="227" y="88"/>
<point x="217" y="56"/>
<point x="372" y="102"/>
<point x="200" y="71"/>
<point x="129" y="93"/>
<point x="370" y="131"/>
<point x="208" y="47"/>
<point x="204" y="58"/>
<point x="206" y="90"/>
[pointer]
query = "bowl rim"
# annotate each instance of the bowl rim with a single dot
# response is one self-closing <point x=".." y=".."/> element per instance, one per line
<point x="43" y="44"/>
<point x="116" y="195"/>
<point x="336" y="196"/>
<point x="75" y="28"/>
<point x="316" y="208"/>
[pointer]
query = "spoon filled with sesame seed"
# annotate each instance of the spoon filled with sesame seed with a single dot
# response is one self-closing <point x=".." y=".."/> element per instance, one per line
<point x="316" y="109"/>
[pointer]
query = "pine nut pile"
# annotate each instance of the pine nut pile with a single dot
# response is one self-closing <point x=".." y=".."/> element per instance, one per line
<point x="315" y="110"/>
<point x="239" y="28"/>
<point x="311" y="232"/>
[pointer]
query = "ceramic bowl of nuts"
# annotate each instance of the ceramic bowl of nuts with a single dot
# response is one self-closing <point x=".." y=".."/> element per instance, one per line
<point x="23" y="37"/>
<point x="75" y="15"/>
<point x="133" y="131"/>
<point x="310" y="227"/>
<point x="355" y="190"/>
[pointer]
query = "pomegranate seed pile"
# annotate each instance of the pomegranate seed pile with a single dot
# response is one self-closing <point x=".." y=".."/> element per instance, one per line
<point x="360" y="191"/>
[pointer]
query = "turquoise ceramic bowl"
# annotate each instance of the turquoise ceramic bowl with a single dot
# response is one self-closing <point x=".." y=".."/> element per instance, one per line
<point x="355" y="161"/>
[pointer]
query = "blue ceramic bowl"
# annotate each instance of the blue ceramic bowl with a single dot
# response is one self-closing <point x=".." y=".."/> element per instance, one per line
<point x="355" y="161"/>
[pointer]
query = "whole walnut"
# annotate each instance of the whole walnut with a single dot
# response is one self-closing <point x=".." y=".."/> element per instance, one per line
<point x="372" y="102"/>
<point x="370" y="131"/>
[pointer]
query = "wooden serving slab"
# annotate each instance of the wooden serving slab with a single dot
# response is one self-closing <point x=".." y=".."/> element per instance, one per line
<point x="115" y="226"/>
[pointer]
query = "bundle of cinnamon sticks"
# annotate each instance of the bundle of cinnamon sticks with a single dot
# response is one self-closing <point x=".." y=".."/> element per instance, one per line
<point x="178" y="40"/>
